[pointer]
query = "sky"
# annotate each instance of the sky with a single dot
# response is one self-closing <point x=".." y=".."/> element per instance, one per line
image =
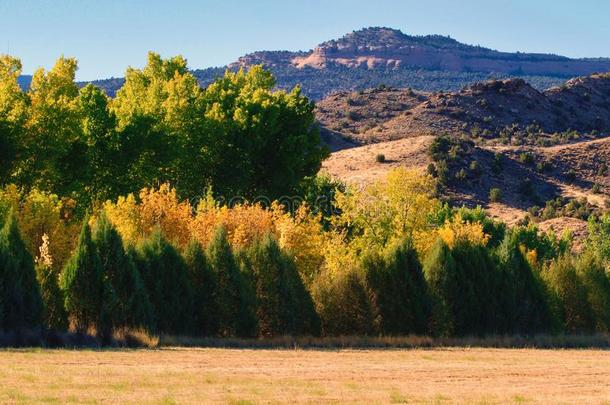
<point x="108" y="36"/>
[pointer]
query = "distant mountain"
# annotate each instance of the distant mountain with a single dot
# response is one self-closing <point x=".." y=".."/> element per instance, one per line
<point x="383" y="56"/>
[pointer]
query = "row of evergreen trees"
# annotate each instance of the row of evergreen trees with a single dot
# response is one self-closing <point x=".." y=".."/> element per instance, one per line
<point x="465" y="289"/>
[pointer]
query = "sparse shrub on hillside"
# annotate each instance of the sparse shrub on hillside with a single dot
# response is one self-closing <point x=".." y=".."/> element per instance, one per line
<point x="596" y="189"/>
<point x="496" y="164"/>
<point x="474" y="168"/>
<point x="495" y="195"/>
<point x="545" y="166"/>
<point x="380" y="158"/>
<point x="571" y="175"/>
<point x="461" y="175"/>
<point x="526" y="158"/>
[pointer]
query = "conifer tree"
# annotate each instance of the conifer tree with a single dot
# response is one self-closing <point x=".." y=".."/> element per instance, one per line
<point x="235" y="306"/>
<point x="166" y="279"/>
<point x="524" y="306"/>
<point x="20" y="301"/>
<point x="205" y="290"/>
<point x="54" y="314"/>
<point x="398" y="290"/>
<point x="83" y="286"/>
<point x="283" y="305"/>
<point x="441" y="274"/>
<point x="130" y="306"/>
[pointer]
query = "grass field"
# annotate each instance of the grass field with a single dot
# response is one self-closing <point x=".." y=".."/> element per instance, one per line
<point x="169" y="375"/>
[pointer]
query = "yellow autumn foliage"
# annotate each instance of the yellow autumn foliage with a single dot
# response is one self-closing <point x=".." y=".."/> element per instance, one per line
<point x="302" y="236"/>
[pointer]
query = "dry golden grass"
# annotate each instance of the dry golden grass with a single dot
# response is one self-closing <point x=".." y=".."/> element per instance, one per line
<point x="173" y="375"/>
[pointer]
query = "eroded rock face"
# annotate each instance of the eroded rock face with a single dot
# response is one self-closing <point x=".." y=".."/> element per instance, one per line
<point x="388" y="48"/>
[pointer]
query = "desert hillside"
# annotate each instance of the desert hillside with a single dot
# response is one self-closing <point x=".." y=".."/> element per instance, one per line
<point x="545" y="152"/>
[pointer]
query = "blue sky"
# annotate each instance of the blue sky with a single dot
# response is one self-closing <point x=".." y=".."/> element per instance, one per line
<point x="107" y="36"/>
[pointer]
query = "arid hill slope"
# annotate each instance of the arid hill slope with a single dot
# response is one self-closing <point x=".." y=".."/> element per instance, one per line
<point x="499" y="108"/>
<point x="548" y="153"/>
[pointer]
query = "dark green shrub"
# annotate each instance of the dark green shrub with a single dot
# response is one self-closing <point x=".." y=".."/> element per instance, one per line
<point x="524" y="303"/>
<point x="21" y="305"/>
<point x="380" y="158"/>
<point x="597" y="282"/>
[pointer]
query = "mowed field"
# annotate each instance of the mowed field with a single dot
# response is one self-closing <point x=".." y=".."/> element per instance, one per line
<point x="180" y="375"/>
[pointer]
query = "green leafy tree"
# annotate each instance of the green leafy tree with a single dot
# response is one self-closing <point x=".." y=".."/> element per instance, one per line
<point x="20" y="303"/>
<point x="53" y="146"/>
<point x="342" y="303"/>
<point x="262" y="142"/>
<point x="569" y="296"/>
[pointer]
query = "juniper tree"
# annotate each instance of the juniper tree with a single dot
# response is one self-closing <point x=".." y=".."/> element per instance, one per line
<point x="235" y="306"/>
<point x="283" y="305"/>
<point x="166" y="279"/>
<point x="205" y="290"/>
<point x="130" y="306"/>
<point x="54" y="314"/>
<point x="84" y="287"/>
<point x="20" y="303"/>
<point x="524" y="306"/>
<point x="398" y="290"/>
